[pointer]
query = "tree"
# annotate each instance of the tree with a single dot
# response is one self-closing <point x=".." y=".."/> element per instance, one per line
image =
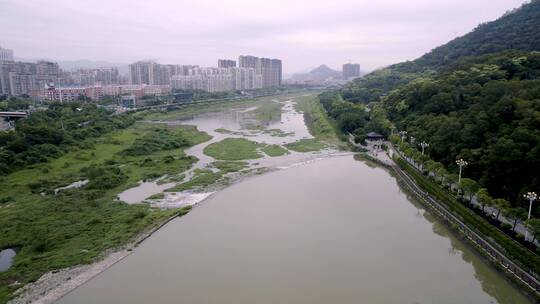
<point x="501" y="204"/>
<point x="515" y="215"/>
<point x="452" y="179"/>
<point x="469" y="186"/>
<point x="484" y="198"/>
<point x="534" y="227"/>
<point x="431" y="167"/>
<point x="441" y="171"/>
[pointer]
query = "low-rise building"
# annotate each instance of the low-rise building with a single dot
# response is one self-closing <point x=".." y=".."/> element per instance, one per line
<point x="64" y="94"/>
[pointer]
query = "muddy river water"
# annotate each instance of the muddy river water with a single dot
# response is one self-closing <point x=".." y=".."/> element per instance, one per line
<point x="332" y="230"/>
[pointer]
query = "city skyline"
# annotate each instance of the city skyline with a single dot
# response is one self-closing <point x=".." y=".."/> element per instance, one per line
<point x="375" y="34"/>
<point x="47" y="80"/>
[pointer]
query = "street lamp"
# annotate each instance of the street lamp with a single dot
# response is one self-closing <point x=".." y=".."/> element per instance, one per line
<point x="412" y="140"/>
<point x="531" y="196"/>
<point x="461" y="163"/>
<point x="403" y="134"/>
<point x="424" y="145"/>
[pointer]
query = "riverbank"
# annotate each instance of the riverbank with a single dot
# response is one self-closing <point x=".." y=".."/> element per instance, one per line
<point x="75" y="226"/>
<point x="140" y="163"/>
<point x="408" y="179"/>
<point x="240" y="241"/>
<point x="55" y="284"/>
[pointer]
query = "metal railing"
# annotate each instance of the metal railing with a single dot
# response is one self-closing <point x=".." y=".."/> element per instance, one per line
<point x="480" y="242"/>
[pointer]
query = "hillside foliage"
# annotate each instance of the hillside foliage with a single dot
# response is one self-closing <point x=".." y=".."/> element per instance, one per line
<point x="516" y="30"/>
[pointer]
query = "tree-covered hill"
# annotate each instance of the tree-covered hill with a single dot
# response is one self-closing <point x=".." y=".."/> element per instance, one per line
<point x="486" y="111"/>
<point x="516" y="30"/>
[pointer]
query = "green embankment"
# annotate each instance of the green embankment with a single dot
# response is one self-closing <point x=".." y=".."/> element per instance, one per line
<point x="233" y="149"/>
<point x="318" y="123"/>
<point x="306" y="145"/>
<point x="189" y="110"/>
<point x="514" y="250"/>
<point x="75" y="226"/>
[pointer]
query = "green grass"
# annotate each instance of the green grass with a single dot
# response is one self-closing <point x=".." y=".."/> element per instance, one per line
<point x="306" y="145"/>
<point x="318" y="123"/>
<point x="277" y="133"/>
<point x="230" y="166"/>
<point x="77" y="225"/>
<point x="265" y="113"/>
<point x="157" y="196"/>
<point x="189" y="110"/>
<point x="268" y="111"/>
<point x="201" y="179"/>
<point x="229" y="132"/>
<point x="233" y="149"/>
<point x="274" y="150"/>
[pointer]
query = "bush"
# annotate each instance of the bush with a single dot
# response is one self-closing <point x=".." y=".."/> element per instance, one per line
<point x="505" y="226"/>
<point x="156" y="140"/>
<point x="103" y="177"/>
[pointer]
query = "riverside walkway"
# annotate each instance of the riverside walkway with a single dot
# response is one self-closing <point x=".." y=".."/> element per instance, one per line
<point x="480" y="242"/>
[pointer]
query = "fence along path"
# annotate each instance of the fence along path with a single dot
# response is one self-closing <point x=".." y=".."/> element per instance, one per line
<point x="476" y="239"/>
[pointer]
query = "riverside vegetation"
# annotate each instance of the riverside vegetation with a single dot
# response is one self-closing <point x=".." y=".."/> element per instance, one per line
<point x="69" y="143"/>
<point x="53" y="229"/>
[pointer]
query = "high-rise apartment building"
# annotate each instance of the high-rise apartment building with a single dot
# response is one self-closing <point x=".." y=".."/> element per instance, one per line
<point x="269" y="69"/>
<point x="106" y="76"/>
<point x="18" y="78"/>
<point x="245" y="79"/>
<point x="226" y="63"/>
<point x="152" y="73"/>
<point x="351" y="70"/>
<point x="249" y="62"/>
<point x="218" y="79"/>
<point x="6" y="55"/>
<point x="139" y="72"/>
<point x="89" y="77"/>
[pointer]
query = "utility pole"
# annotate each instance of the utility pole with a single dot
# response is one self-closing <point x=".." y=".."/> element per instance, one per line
<point x="531" y="196"/>
<point x="461" y="163"/>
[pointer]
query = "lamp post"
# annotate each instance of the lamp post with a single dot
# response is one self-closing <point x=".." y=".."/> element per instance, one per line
<point x="461" y="163"/>
<point x="403" y="134"/>
<point x="424" y="145"/>
<point x="412" y="140"/>
<point x="531" y="196"/>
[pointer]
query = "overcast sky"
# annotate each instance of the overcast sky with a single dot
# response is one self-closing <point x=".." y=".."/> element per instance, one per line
<point x="303" y="33"/>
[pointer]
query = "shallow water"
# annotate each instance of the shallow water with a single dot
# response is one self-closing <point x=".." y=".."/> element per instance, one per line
<point x="236" y="120"/>
<point x="142" y="191"/>
<point x="6" y="258"/>
<point x="329" y="231"/>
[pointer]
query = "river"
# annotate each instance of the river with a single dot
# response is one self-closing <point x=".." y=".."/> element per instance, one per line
<point x="333" y="230"/>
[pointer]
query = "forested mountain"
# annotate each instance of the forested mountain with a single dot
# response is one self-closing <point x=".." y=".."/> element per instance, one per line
<point x="476" y="98"/>
<point x="487" y="112"/>
<point x="518" y="30"/>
